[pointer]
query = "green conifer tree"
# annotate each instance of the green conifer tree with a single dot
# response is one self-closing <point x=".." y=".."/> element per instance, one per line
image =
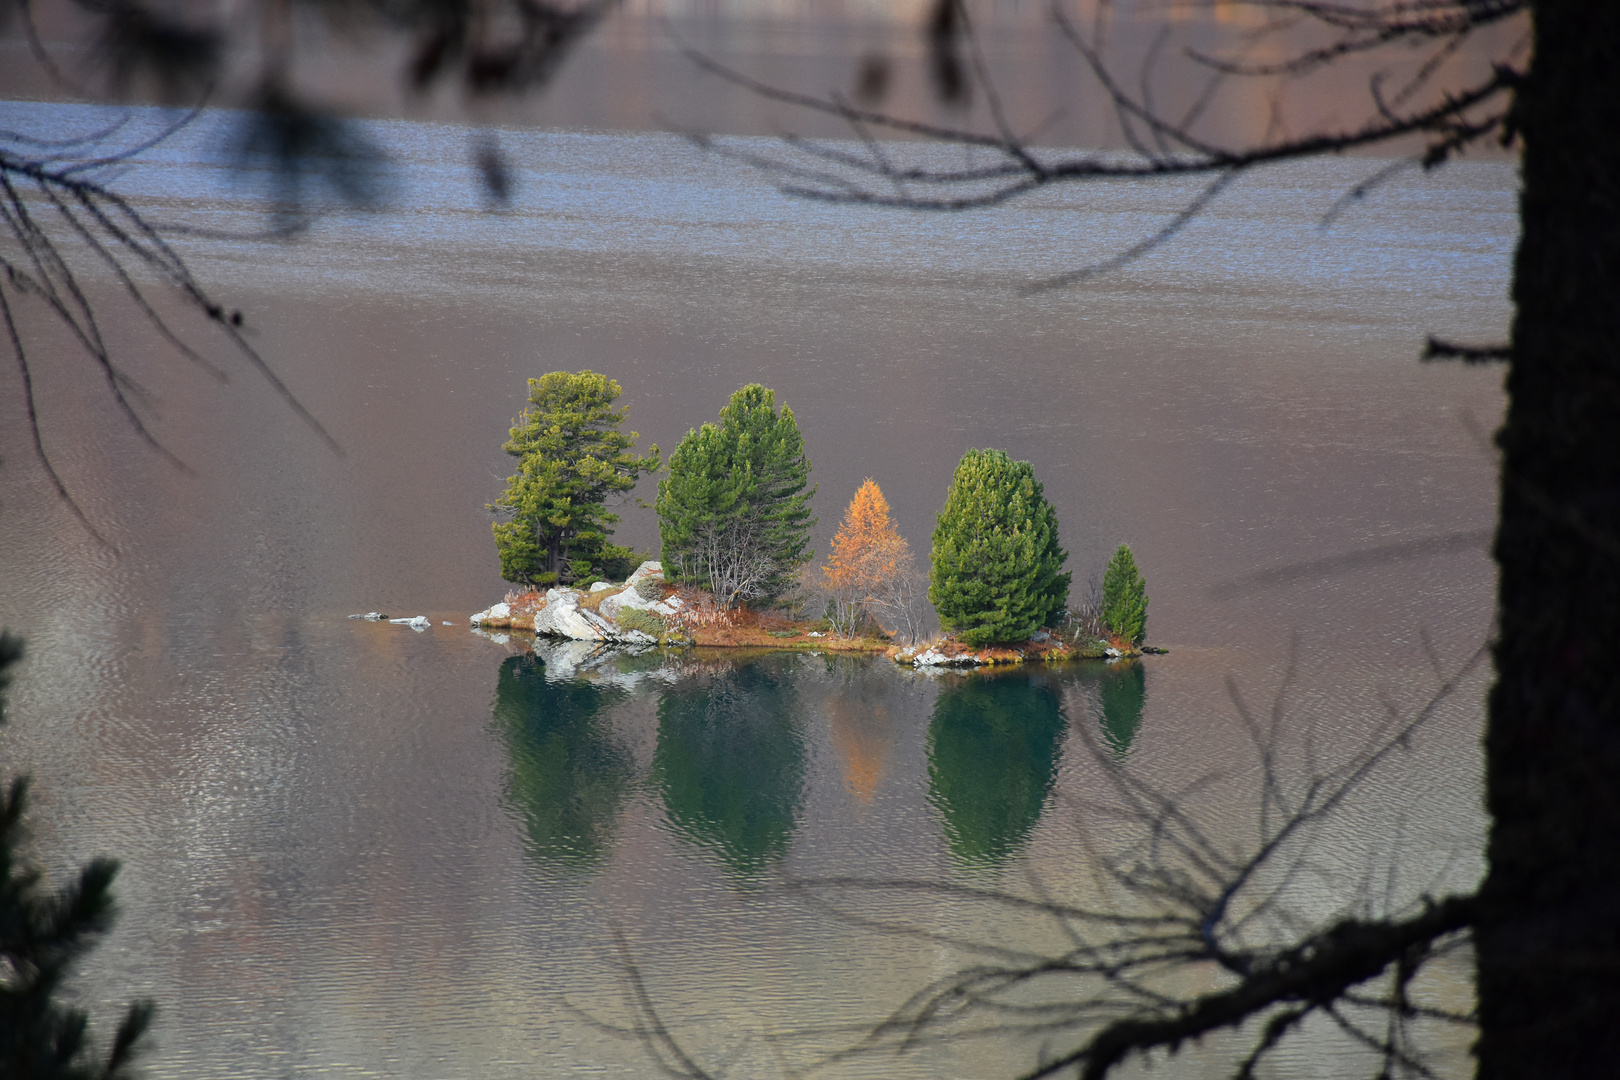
<point x="43" y="932"/>
<point x="1125" y="598"/>
<point x="572" y="457"/>
<point x="734" y="509"/>
<point x="997" y="572"/>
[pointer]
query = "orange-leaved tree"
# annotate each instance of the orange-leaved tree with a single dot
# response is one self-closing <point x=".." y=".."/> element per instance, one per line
<point x="870" y="571"/>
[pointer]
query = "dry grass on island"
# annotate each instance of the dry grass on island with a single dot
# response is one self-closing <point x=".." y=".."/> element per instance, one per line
<point x="645" y="610"/>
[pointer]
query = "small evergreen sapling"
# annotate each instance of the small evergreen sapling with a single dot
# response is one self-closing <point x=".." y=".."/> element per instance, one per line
<point x="1125" y="598"/>
<point x="997" y="570"/>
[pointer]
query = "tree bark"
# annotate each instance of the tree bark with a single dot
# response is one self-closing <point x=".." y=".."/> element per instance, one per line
<point x="1548" y="936"/>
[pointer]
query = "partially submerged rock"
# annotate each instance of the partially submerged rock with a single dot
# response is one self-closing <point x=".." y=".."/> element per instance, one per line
<point x="951" y="653"/>
<point x="580" y="616"/>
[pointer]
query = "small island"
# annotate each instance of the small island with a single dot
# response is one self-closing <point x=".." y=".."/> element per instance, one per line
<point x="734" y="519"/>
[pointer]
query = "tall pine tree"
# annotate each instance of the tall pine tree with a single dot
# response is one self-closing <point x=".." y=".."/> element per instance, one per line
<point x="571" y="458"/>
<point x="734" y="510"/>
<point x="997" y="571"/>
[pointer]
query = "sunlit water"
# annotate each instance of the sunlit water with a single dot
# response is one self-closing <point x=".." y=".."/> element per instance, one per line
<point x="354" y="849"/>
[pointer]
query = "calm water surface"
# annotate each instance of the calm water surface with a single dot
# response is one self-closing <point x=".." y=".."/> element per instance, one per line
<point x="353" y="849"/>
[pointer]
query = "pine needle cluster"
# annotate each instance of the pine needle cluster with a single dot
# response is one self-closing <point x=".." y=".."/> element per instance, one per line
<point x="44" y="932"/>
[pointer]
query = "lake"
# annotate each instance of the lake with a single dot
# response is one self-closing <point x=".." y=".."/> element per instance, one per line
<point x="353" y="849"/>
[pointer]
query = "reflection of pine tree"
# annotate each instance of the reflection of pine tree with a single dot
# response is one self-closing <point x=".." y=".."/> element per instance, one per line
<point x="569" y="776"/>
<point x="1124" y="694"/>
<point x="730" y="762"/>
<point x="42" y="934"/>
<point x="993" y="751"/>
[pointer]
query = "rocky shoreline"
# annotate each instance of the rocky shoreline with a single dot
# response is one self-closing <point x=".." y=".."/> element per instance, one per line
<point x="644" y="611"/>
<point x="598" y="615"/>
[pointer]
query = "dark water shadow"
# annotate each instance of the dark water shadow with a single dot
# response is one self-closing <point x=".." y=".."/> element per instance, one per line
<point x="730" y="761"/>
<point x="993" y="751"/>
<point x="568" y="777"/>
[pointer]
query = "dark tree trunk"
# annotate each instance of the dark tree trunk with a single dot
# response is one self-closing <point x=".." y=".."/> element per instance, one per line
<point x="1549" y="931"/>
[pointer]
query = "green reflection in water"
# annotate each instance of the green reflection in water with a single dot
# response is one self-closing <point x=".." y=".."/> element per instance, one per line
<point x="568" y="776"/>
<point x="1124" y="694"/>
<point x="730" y="762"/>
<point x="993" y="751"/>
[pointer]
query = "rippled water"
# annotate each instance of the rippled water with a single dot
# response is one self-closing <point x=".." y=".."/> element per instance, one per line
<point x="356" y="849"/>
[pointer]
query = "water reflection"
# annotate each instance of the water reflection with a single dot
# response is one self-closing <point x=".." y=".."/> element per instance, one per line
<point x="993" y="751"/>
<point x="861" y="727"/>
<point x="1124" y="694"/>
<point x="568" y="775"/>
<point x="730" y="761"/>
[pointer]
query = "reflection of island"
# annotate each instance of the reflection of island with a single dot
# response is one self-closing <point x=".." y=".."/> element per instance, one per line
<point x="993" y="750"/>
<point x="569" y="776"/>
<point x="1124" y="693"/>
<point x="730" y="761"/>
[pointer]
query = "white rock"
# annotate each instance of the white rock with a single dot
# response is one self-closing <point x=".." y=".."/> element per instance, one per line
<point x="935" y="658"/>
<point x="494" y="611"/>
<point x="619" y="601"/>
<point x="562" y="617"/>
<point x="646" y="569"/>
<point x="602" y="586"/>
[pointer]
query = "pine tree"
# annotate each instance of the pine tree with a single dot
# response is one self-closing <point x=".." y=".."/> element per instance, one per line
<point x="997" y="569"/>
<point x="571" y="459"/>
<point x="42" y="934"/>
<point x="1125" y="598"/>
<point x="734" y="509"/>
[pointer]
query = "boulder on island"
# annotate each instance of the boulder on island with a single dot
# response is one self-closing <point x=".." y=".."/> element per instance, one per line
<point x="562" y="613"/>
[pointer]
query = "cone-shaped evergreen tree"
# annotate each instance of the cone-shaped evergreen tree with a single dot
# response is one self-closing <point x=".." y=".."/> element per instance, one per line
<point x="1125" y="598"/>
<point x="734" y="510"/>
<point x="997" y="571"/>
<point x="571" y="458"/>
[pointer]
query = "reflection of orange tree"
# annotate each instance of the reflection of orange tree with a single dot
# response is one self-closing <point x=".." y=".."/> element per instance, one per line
<point x="870" y="573"/>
